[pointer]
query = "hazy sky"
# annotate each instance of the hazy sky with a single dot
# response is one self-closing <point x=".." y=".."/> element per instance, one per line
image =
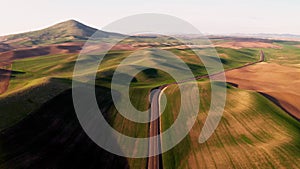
<point x="209" y="16"/>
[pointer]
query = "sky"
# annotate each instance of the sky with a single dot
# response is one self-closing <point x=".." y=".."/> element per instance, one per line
<point x="209" y="16"/>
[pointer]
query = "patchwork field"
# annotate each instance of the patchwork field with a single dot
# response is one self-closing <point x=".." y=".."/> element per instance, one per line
<point x="39" y="129"/>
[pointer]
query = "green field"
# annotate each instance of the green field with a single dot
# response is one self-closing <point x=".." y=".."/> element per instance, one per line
<point x="54" y="72"/>
<point x="253" y="133"/>
<point x="289" y="55"/>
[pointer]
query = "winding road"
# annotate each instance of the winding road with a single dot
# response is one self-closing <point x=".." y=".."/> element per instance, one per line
<point x="155" y="162"/>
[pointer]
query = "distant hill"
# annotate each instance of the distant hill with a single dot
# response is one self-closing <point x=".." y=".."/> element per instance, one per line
<point x="4" y="47"/>
<point x="67" y="31"/>
<point x="284" y="37"/>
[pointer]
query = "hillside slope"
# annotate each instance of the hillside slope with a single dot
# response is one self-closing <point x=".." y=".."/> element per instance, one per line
<point x="253" y="133"/>
<point x="62" y="32"/>
<point x="52" y="137"/>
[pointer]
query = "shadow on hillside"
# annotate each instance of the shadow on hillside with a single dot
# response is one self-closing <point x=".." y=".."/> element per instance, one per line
<point x="275" y="101"/>
<point x="52" y="137"/>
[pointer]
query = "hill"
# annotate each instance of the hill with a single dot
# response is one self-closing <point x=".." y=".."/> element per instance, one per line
<point x="52" y="137"/>
<point x="253" y="133"/>
<point x="70" y="30"/>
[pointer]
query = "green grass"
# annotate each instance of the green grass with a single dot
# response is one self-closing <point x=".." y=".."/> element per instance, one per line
<point x="173" y="158"/>
<point x="289" y="55"/>
<point x="237" y="57"/>
<point x="230" y="58"/>
<point x="18" y="105"/>
<point x="41" y="79"/>
<point x="59" y="66"/>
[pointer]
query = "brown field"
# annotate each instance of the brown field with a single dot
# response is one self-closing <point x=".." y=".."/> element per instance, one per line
<point x="245" y="44"/>
<point x="63" y="48"/>
<point x="279" y="83"/>
<point x="4" y="47"/>
<point x="99" y="47"/>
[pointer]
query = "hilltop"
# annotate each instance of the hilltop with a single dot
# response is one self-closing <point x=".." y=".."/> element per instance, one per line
<point x="67" y="31"/>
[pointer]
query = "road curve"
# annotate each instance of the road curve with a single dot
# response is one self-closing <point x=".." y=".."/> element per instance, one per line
<point x="155" y="162"/>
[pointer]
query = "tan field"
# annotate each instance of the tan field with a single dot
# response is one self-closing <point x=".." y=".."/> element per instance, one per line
<point x="279" y="83"/>
<point x="239" y="45"/>
<point x="20" y="53"/>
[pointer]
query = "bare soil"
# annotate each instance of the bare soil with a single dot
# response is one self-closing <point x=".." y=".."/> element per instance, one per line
<point x="28" y="52"/>
<point x="279" y="83"/>
<point x="4" y="47"/>
<point x="251" y="44"/>
<point x="298" y="46"/>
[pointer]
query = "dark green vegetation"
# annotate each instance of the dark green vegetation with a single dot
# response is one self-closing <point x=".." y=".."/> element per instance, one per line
<point x="42" y="78"/>
<point x="51" y="137"/>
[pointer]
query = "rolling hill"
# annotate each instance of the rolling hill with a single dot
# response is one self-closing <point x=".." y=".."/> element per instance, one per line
<point x="51" y="137"/>
<point x="253" y="133"/>
<point x="67" y="31"/>
<point x="39" y="128"/>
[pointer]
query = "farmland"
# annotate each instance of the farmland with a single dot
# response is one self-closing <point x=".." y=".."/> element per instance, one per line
<point x="253" y="133"/>
<point x="38" y="121"/>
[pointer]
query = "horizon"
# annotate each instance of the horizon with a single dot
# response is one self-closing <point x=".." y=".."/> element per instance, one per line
<point x="210" y="17"/>
<point x="205" y="33"/>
